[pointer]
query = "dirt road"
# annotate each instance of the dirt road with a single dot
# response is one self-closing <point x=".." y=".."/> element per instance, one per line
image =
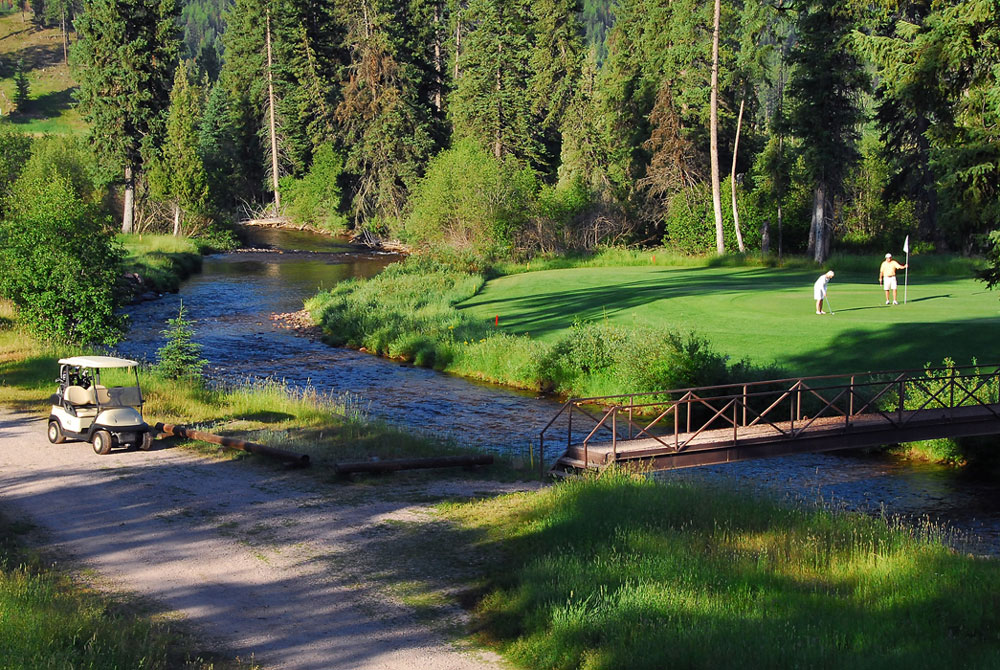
<point x="262" y="561"/>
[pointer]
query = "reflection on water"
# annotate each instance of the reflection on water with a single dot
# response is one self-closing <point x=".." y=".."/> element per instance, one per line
<point x="236" y="294"/>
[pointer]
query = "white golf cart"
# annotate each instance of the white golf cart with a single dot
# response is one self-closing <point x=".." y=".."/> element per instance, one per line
<point x="84" y="409"/>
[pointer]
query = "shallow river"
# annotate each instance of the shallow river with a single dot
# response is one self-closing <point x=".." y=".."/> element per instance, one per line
<point x="232" y="301"/>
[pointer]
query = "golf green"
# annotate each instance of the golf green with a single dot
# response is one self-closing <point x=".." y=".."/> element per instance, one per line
<point x="764" y="315"/>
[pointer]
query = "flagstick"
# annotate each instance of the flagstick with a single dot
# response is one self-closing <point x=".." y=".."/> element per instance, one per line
<point x="906" y="275"/>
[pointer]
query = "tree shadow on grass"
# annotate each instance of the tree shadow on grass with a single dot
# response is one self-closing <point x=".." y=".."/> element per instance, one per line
<point x="905" y="346"/>
<point x="551" y="311"/>
<point x="47" y="106"/>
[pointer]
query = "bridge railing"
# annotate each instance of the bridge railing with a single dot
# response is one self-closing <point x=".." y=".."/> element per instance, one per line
<point x="776" y="409"/>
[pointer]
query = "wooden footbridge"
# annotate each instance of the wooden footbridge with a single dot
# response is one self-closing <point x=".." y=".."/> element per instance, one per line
<point x="721" y="424"/>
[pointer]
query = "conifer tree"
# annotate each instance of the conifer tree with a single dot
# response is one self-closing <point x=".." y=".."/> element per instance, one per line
<point x="180" y="175"/>
<point x="124" y="61"/>
<point x="826" y="79"/>
<point x="556" y="62"/>
<point x="388" y="117"/>
<point x="491" y="102"/>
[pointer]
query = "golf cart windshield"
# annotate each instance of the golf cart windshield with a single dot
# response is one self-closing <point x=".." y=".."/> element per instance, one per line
<point x="83" y="385"/>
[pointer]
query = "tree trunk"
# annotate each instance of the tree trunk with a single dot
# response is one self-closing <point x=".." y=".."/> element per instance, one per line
<point x="270" y="107"/>
<point x="765" y="237"/>
<point x="818" y="223"/>
<point x="438" y="78"/>
<point x="458" y="43"/>
<point x="779" y="231"/>
<point x="732" y="180"/>
<point x="498" y="138"/>
<point x="65" y="36"/>
<point x="720" y="244"/>
<point x="177" y="220"/>
<point x="128" y="211"/>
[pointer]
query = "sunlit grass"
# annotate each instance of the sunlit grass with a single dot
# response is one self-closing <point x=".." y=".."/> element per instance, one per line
<point x="624" y="573"/>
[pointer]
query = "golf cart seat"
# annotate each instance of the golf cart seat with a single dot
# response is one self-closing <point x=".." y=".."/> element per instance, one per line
<point x="77" y="396"/>
<point x="81" y="399"/>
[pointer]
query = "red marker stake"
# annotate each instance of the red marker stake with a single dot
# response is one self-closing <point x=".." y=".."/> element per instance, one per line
<point x="496" y="321"/>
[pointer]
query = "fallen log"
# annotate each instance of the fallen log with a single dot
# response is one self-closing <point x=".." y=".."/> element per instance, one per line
<point x="413" y="464"/>
<point x="233" y="443"/>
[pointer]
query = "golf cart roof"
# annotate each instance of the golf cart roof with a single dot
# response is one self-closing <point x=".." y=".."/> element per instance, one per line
<point x="98" y="362"/>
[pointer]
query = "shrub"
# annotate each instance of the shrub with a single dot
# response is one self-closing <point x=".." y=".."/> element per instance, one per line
<point x="315" y="199"/>
<point x="15" y="150"/>
<point x="470" y="200"/>
<point x="61" y="263"/>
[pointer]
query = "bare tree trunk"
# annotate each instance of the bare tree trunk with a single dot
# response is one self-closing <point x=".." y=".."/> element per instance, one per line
<point x="438" y="79"/>
<point x="732" y="179"/>
<point x="65" y="36"/>
<point x="458" y="43"/>
<point x="818" y="223"/>
<point x="765" y="237"/>
<point x="177" y="220"/>
<point x="270" y="107"/>
<point x="780" y="249"/>
<point x="128" y="211"/>
<point x="720" y="244"/>
<point x="498" y="139"/>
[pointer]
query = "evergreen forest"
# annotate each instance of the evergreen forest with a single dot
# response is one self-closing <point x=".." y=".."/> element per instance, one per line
<point x="503" y="128"/>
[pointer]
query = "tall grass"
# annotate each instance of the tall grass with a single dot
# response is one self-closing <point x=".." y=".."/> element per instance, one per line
<point x="616" y="572"/>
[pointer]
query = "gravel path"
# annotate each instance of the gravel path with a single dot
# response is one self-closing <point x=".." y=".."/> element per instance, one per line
<point x="254" y="557"/>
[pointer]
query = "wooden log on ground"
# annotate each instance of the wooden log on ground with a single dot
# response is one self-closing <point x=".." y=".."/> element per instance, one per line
<point x="233" y="443"/>
<point x="413" y="464"/>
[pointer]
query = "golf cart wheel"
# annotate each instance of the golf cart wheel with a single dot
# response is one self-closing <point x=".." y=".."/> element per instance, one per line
<point x="102" y="442"/>
<point x="146" y="443"/>
<point x="55" y="432"/>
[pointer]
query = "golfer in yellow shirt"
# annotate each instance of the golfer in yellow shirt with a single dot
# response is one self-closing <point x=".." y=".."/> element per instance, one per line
<point x="887" y="277"/>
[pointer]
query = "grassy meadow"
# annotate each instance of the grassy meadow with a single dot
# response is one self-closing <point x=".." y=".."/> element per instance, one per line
<point x="617" y="572"/>
<point x="50" y="107"/>
<point x="765" y="315"/>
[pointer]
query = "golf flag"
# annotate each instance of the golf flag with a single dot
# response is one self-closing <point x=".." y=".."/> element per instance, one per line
<point x="906" y="276"/>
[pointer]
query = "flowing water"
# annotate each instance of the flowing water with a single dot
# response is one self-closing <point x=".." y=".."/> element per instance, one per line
<point x="234" y="297"/>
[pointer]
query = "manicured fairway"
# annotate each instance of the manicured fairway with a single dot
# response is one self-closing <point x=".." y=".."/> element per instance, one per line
<point x="762" y="314"/>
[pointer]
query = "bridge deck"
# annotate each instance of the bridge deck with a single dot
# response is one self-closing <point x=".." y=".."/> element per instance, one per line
<point x="721" y="445"/>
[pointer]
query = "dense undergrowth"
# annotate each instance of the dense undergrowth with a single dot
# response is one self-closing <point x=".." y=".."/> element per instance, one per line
<point x="618" y="572"/>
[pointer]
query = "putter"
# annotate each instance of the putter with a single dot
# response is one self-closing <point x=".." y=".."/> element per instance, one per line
<point x="828" y="308"/>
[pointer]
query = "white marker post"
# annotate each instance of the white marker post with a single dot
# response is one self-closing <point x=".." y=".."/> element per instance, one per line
<point x="906" y="275"/>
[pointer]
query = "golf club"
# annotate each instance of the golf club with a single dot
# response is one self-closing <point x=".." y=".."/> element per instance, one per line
<point x="828" y="308"/>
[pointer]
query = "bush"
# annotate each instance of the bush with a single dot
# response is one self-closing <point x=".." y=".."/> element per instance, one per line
<point x="15" y="150"/>
<point x="470" y="200"/>
<point x="690" y="222"/>
<point x="70" y="157"/>
<point x="61" y="263"/>
<point x="316" y="198"/>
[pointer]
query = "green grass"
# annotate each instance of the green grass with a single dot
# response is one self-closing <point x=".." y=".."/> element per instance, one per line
<point x="765" y="315"/>
<point x="50" y="107"/>
<point x="625" y="573"/>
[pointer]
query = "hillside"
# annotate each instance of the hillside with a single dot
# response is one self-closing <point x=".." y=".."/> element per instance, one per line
<point x="50" y="107"/>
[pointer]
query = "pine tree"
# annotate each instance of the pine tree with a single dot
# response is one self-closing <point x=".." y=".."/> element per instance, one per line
<point x="22" y="88"/>
<point x="306" y="63"/>
<point x="556" y="62"/>
<point x="491" y="102"/>
<point x="826" y="79"/>
<point x="124" y="61"/>
<point x="180" y="174"/>
<point x="388" y="117"/>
